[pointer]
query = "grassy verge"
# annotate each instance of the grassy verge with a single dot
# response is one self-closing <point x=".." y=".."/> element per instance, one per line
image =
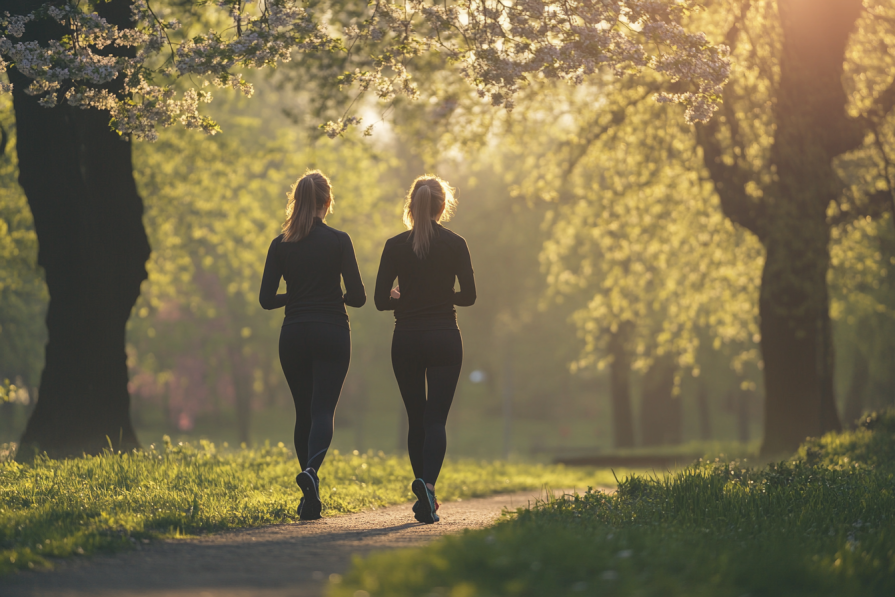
<point x="823" y="524"/>
<point x="709" y="450"/>
<point x="57" y="508"/>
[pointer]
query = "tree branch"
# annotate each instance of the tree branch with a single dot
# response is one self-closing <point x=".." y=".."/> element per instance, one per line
<point x="883" y="104"/>
<point x="877" y="204"/>
<point x="596" y="132"/>
<point x="730" y="181"/>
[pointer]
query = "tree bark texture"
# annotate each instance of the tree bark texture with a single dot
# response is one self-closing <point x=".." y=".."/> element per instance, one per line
<point x="812" y="128"/>
<point x="78" y="177"/>
<point x="620" y="387"/>
<point x="660" y="410"/>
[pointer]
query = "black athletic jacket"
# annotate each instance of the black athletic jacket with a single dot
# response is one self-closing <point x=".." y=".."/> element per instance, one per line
<point x="313" y="269"/>
<point x="426" y="285"/>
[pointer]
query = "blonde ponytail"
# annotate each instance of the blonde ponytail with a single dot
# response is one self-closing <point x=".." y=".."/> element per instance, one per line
<point x="430" y="200"/>
<point x="309" y="195"/>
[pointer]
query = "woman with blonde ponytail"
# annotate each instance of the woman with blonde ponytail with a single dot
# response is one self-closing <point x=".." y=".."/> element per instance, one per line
<point x="315" y="340"/>
<point x="427" y="350"/>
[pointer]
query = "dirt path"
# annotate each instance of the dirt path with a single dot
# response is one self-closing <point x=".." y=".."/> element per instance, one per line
<point x="289" y="560"/>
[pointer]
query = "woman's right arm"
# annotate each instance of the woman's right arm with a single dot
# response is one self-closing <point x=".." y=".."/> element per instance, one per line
<point x="354" y="296"/>
<point x="270" y="280"/>
<point x="387" y="274"/>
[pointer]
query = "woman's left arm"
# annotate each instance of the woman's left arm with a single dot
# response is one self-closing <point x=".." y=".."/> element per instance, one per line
<point x="465" y="297"/>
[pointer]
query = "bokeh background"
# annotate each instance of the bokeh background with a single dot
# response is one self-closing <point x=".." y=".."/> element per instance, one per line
<point x="578" y="236"/>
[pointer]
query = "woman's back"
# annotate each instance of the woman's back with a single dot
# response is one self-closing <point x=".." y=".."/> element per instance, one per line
<point x="313" y="268"/>
<point x="427" y="284"/>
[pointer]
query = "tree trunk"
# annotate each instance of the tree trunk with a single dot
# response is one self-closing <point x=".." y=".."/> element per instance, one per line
<point x="796" y="343"/>
<point x="857" y="387"/>
<point x="620" y="387"/>
<point x="508" y="389"/>
<point x="812" y="128"/>
<point x="78" y="177"/>
<point x="7" y="418"/>
<point x="703" y="411"/>
<point x="660" y="411"/>
<point x="241" y="371"/>
<point x="361" y="393"/>
<point x="743" y="404"/>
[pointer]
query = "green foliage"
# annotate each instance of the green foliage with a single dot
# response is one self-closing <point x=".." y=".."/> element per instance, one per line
<point x="871" y="445"/>
<point x="23" y="293"/>
<point x="814" y="527"/>
<point x="863" y="303"/>
<point x="79" y="506"/>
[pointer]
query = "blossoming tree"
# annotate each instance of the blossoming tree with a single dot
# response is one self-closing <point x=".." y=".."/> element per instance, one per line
<point x="87" y="78"/>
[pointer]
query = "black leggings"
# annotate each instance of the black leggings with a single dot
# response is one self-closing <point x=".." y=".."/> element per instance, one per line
<point x="418" y="357"/>
<point x="315" y="360"/>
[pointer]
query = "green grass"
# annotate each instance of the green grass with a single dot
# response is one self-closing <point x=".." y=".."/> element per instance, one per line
<point x="58" y="508"/>
<point x="823" y="524"/>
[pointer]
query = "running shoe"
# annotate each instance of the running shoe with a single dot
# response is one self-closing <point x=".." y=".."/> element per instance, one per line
<point x="417" y="505"/>
<point x="424" y="509"/>
<point x="310" y="485"/>
<point x="301" y="505"/>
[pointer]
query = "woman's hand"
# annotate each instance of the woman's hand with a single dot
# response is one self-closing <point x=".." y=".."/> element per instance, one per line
<point x="396" y="292"/>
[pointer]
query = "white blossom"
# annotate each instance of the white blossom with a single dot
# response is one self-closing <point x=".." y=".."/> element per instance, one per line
<point x="495" y="44"/>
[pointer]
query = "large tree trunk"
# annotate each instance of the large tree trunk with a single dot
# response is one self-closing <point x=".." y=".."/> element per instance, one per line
<point x="620" y="387"/>
<point x="78" y="177"/>
<point x="660" y="411"/>
<point x="796" y="342"/>
<point x="812" y="128"/>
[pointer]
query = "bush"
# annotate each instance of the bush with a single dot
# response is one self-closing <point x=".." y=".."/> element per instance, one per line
<point x="872" y="445"/>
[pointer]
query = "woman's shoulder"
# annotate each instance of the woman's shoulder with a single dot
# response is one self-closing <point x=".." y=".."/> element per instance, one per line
<point x="340" y="234"/>
<point x="398" y="239"/>
<point x="450" y="236"/>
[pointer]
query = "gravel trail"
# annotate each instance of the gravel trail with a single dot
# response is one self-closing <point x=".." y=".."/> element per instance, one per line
<point x="285" y="560"/>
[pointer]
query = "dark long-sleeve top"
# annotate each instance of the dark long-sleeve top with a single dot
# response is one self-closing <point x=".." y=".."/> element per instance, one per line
<point x="313" y="268"/>
<point x="426" y="285"/>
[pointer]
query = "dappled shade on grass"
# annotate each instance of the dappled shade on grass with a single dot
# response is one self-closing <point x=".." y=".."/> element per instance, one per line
<point x="59" y="508"/>
<point x="824" y="525"/>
